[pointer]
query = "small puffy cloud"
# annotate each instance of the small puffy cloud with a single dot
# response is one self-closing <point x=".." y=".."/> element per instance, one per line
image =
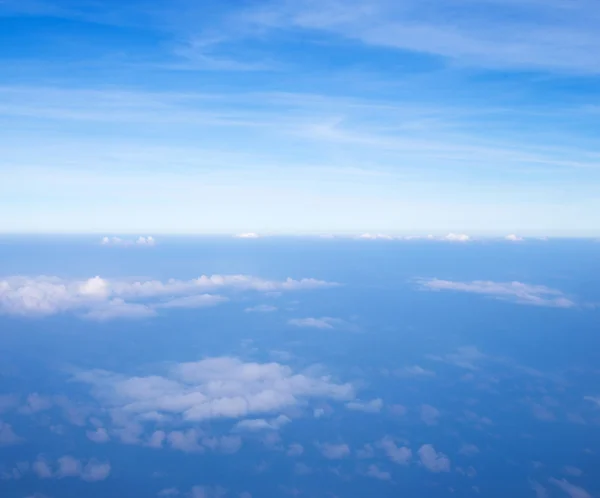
<point x="262" y="424"/>
<point x="518" y="292"/>
<point x="248" y="235"/>
<point x="118" y="308"/>
<point x="7" y="435"/>
<point x="168" y="492"/>
<point x="468" y="450"/>
<point x="261" y="308"/>
<point x="100" y="435"/>
<point x="429" y="414"/>
<point x="295" y="449"/>
<point x="118" y="241"/>
<point x="316" y="323"/>
<point x="513" y="238"/>
<point x="68" y="466"/>
<point x="35" y="403"/>
<point x="539" y="490"/>
<point x="302" y="469"/>
<point x="157" y="439"/>
<point x="400" y="455"/>
<point x="186" y="441"/>
<point x="570" y="489"/>
<point x="467" y="357"/>
<point x="375" y="236"/>
<point x="207" y="492"/>
<point x="414" y="371"/>
<point x="373" y="406"/>
<point x="572" y="471"/>
<point x="377" y="473"/>
<point x="366" y="452"/>
<point x="199" y="301"/>
<point x="457" y="237"/>
<point x="334" y="451"/>
<point x="432" y="460"/>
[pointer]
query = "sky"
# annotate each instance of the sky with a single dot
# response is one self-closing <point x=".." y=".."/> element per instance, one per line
<point x="290" y="117"/>
<point x="216" y="367"/>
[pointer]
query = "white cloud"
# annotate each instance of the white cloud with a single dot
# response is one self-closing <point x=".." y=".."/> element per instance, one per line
<point x="100" y="435"/>
<point x="168" y="492"/>
<point x="467" y="357"/>
<point x="375" y="236"/>
<point x="593" y="399"/>
<point x="414" y="371"/>
<point x="570" y="489"/>
<point x="261" y="308"/>
<point x="400" y="455"/>
<point x="207" y="492"/>
<point x="429" y="414"/>
<point x="373" y="406"/>
<point x="432" y="460"/>
<point x="7" y="435"/>
<point x="513" y="238"/>
<point x="535" y="295"/>
<point x="456" y="237"/>
<point x="334" y="451"/>
<point x="316" y="323"/>
<point x="68" y="466"/>
<point x="262" y="424"/>
<point x="117" y="241"/>
<point x="539" y="490"/>
<point x="103" y="299"/>
<point x="377" y="473"/>
<point x="468" y="450"/>
<point x="199" y="301"/>
<point x="248" y="235"/>
<point x="295" y="449"/>
<point x="221" y="387"/>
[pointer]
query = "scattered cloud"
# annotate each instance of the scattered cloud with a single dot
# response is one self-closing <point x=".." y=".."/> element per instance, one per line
<point x="7" y="435"/>
<point x="414" y="371"/>
<point x="572" y="471"/>
<point x="570" y="489"/>
<point x="377" y="473"/>
<point x="117" y="241"/>
<point x="100" y="435"/>
<point x="373" y="406"/>
<point x="539" y="490"/>
<point x="221" y="387"/>
<point x="68" y="466"/>
<point x="400" y="455"/>
<point x="535" y="295"/>
<point x="467" y="357"/>
<point x="429" y="414"/>
<point x="262" y="424"/>
<point x="168" y="492"/>
<point x="316" y="323"/>
<point x="295" y="449"/>
<point x="468" y="450"/>
<point x="375" y="236"/>
<point x="248" y="235"/>
<point x="593" y="399"/>
<point x="104" y="299"/>
<point x="457" y="237"/>
<point x="432" y="460"/>
<point x="513" y="238"/>
<point x="261" y="308"/>
<point x="334" y="451"/>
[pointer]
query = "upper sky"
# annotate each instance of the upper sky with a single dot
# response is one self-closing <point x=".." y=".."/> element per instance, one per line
<point x="407" y="116"/>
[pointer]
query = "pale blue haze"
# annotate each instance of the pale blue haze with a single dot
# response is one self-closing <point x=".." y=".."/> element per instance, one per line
<point x="304" y="116"/>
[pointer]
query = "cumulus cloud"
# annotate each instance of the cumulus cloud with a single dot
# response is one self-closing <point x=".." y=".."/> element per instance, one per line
<point x="261" y="308"/>
<point x="248" y="235"/>
<point x="295" y="449"/>
<point x="373" y="406"/>
<point x="535" y="295"/>
<point x="222" y="387"/>
<point x="7" y="435"/>
<point x="375" y="236"/>
<point x="316" y="323"/>
<point x="457" y="237"/>
<point x="468" y="450"/>
<point x="467" y="357"/>
<point x="334" y="451"/>
<point x="68" y="466"/>
<point x="118" y="241"/>
<point x="377" y="473"/>
<point x="100" y="435"/>
<point x="103" y="299"/>
<point x="414" y="371"/>
<point x="570" y="489"/>
<point x="261" y="424"/>
<point x="513" y="238"/>
<point x="429" y="414"/>
<point x="539" y="490"/>
<point x="400" y="455"/>
<point x="432" y="460"/>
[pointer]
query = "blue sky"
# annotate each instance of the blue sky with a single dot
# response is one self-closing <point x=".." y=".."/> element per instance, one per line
<point x="408" y="117"/>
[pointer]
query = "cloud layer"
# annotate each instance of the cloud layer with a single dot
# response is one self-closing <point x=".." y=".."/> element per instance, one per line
<point x="101" y="298"/>
<point x="518" y="292"/>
